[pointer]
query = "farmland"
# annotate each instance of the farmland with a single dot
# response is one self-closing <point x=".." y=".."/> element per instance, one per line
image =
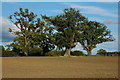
<point x="60" y="67"/>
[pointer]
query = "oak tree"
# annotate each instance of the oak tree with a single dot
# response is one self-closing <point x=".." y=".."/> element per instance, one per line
<point x="32" y="32"/>
<point x="66" y="26"/>
<point x="93" y="33"/>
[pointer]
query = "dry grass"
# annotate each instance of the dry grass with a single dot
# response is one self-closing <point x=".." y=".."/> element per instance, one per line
<point x="60" y="67"/>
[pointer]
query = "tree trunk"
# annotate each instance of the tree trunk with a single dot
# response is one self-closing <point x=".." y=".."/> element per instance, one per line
<point x="26" y="50"/>
<point x="26" y="47"/>
<point x="67" y="52"/>
<point x="26" y="53"/>
<point x="89" y="52"/>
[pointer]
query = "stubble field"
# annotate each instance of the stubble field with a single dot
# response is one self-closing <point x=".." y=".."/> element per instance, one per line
<point x="60" y="67"/>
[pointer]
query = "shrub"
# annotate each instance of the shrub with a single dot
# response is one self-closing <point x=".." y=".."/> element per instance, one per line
<point x="101" y="52"/>
<point x="9" y="54"/>
<point x="77" y="53"/>
<point x="35" y="51"/>
<point x="61" y="53"/>
<point x="55" y="53"/>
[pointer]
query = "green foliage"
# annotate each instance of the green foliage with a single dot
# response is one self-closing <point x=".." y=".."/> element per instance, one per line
<point x="25" y="22"/>
<point x="6" y="53"/>
<point x="56" y="53"/>
<point x="45" y="41"/>
<point x="77" y="53"/>
<point x="32" y="32"/>
<point x="93" y="33"/>
<point x="66" y="26"/>
<point x="2" y="49"/>
<point x="9" y="54"/>
<point x="38" y="37"/>
<point x="35" y="51"/>
<point x="101" y="51"/>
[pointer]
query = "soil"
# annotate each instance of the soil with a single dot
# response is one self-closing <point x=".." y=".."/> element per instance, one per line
<point x="60" y="67"/>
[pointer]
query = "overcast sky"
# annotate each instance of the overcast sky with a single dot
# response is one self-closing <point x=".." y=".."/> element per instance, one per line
<point x="104" y="12"/>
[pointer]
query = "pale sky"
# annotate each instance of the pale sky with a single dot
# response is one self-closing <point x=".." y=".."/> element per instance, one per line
<point x="104" y="12"/>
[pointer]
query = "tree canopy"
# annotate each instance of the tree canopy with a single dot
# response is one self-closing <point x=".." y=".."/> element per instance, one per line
<point x="93" y="33"/>
<point x="63" y="31"/>
<point x="32" y="32"/>
<point x="66" y="25"/>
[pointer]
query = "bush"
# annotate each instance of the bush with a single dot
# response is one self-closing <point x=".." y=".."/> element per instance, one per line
<point x="55" y="53"/>
<point x="36" y="51"/>
<point x="101" y="52"/>
<point x="9" y="54"/>
<point x="2" y="49"/>
<point x="61" y="53"/>
<point x="77" y="53"/>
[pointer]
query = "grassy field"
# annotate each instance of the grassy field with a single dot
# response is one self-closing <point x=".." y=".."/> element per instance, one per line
<point x="60" y="67"/>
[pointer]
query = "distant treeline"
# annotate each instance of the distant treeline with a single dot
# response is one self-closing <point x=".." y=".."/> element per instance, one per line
<point x="105" y="53"/>
<point x="110" y="54"/>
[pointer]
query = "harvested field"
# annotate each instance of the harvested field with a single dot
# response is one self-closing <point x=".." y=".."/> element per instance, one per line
<point x="60" y="67"/>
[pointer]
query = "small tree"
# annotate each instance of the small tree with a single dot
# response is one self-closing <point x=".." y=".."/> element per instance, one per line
<point x="101" y="51"/>
<point x="93" y="33"/>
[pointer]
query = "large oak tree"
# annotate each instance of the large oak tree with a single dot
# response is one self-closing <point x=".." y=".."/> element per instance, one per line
<point x="32" y="32"/>
<point x="66" y="26"/>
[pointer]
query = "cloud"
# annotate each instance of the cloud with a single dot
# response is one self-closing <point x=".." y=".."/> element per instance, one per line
<point x="77" y="47"/>
<point x="108" y="46"/>
<point x="110" y="21"/>
<point x="5" y="43"/>
<point x="6" y="24"/>
<point x="92" y="10"/>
